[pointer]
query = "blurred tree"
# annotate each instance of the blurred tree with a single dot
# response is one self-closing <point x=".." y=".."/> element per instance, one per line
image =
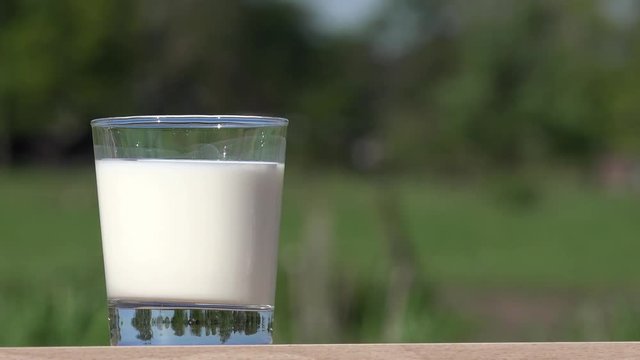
<point x="441" y="84"/>
<point x="335" y="106"/>
<point x="225" y="328"/>
<point x="178" y="322"/>
<point x="196" y="321"/>
<point x="114" y="332"/>
<point x="62" y="62"/>
<point x="142" y="322"/>
<point x="252" y="323"/>
<point x="498" y="83"/>
<point x="623" y="60"/>
<point x="211" y="322"/>
<point x="220" y="57"/>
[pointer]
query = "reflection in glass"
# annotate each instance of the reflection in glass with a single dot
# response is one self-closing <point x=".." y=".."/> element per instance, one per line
<point x="183" y="326"/>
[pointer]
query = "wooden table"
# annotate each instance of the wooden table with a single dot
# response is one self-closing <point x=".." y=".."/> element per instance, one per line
<point x="586" y="350"/>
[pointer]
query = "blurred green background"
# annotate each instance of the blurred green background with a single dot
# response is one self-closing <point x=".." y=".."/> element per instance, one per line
<point x="456" y="171"/>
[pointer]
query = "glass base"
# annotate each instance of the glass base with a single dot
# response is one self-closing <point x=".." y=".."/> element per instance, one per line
<point x="154" y="323"/>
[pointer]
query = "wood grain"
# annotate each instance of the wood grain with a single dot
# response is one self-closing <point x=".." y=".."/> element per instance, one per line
<point x="586" y="351"/>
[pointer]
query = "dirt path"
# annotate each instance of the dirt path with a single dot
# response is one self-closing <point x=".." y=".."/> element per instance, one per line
<point x="512" y="314"/>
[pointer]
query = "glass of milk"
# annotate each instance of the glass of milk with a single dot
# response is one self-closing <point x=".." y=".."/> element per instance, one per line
<point x="190" y="216"/>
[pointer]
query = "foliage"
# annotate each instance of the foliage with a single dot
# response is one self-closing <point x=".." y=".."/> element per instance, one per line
<point x="447" y="85"/>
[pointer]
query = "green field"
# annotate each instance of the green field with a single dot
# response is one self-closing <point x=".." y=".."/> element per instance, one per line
<point x="404" y="260"/>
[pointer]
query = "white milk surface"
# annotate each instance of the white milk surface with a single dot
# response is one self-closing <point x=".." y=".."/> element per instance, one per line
<point x="190" y="230"/>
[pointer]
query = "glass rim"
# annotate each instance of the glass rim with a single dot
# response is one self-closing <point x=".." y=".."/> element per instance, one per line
<point x="190" y="121"/>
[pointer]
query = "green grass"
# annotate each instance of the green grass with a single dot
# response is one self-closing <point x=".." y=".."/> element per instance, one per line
<point x="572" y="236"/>
<point x="51" y="282"/>
<point x="568" y="236"/>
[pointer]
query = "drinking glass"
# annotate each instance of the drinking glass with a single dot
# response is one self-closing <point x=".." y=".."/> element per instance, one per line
<point x="190" y="217"/>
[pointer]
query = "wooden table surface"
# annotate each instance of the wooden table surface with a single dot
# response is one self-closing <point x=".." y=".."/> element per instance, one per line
<point x="586" y="350"/>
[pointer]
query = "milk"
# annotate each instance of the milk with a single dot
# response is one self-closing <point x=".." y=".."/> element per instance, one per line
<point x="189" y="230"/>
